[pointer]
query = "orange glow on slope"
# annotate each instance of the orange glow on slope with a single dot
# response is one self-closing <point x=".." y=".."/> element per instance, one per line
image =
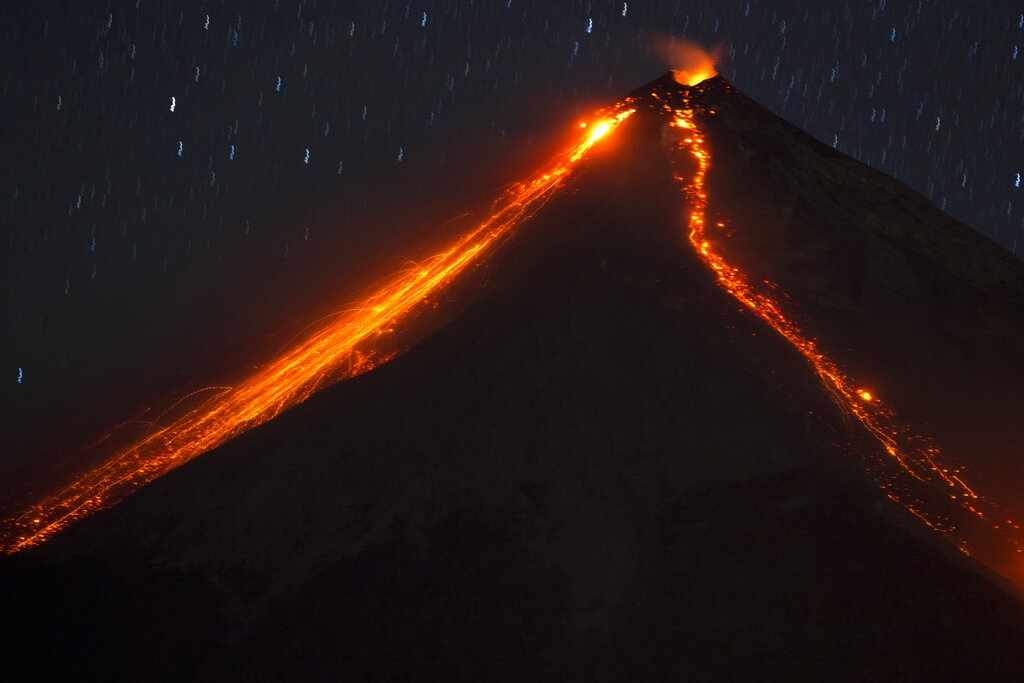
<point x="928" y="489"/>
<point x="343" y="348"/>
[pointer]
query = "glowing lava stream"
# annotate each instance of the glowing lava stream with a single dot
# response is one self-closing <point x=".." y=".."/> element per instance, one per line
<point x="342" y="349"/>
<point x="919" y="462"/>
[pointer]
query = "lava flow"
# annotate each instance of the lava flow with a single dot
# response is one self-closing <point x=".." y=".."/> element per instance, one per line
<point x="915" y="477"/>
<point x="341" y="349"/>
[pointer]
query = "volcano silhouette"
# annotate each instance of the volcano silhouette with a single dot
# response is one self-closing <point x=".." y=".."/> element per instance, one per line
<point x="601" y="466"/>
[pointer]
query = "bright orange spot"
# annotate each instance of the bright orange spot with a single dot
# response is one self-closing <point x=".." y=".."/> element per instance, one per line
<point x="600" y="131"/>
<point x="865" y="395"/>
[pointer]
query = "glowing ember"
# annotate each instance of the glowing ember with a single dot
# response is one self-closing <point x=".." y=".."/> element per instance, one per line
<point x="931" y="486"/>
<point x="343" y="348"/>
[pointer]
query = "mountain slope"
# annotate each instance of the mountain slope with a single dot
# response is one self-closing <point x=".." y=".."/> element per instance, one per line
<point x="604" y="466"/>
<point x="928" y="312"/>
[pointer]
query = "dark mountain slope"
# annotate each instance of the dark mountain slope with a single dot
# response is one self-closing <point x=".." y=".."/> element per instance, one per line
<point x="925" y="310"/>
<point x="602" y="468"/>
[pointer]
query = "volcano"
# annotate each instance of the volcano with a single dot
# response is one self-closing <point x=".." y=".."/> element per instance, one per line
<point x="730" y="404"/>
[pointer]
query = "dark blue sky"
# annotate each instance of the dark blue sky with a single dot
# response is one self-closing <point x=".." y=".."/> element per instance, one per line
<point x="165" y="157"/>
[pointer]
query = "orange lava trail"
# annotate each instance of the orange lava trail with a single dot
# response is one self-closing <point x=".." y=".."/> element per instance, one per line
<point x="936" y="486"/>
<point x="343" y="348"/>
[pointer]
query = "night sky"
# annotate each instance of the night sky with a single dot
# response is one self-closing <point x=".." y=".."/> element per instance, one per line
<point x="164" y="160"/>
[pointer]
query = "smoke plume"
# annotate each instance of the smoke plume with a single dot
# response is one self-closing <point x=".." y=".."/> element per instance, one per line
<point x="690" y="62"/>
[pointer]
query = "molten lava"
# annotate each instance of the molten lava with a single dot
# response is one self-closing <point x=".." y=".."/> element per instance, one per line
<point x="919" y="482"/>
<point x="343" y="348"/>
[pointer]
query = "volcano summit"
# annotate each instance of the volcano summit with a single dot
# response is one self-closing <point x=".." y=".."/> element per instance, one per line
<point x="716" y="411"/>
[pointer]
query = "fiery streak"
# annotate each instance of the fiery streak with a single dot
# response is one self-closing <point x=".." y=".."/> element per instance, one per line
<point x="341" y="349"/>
<point x="912" y="454"/>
